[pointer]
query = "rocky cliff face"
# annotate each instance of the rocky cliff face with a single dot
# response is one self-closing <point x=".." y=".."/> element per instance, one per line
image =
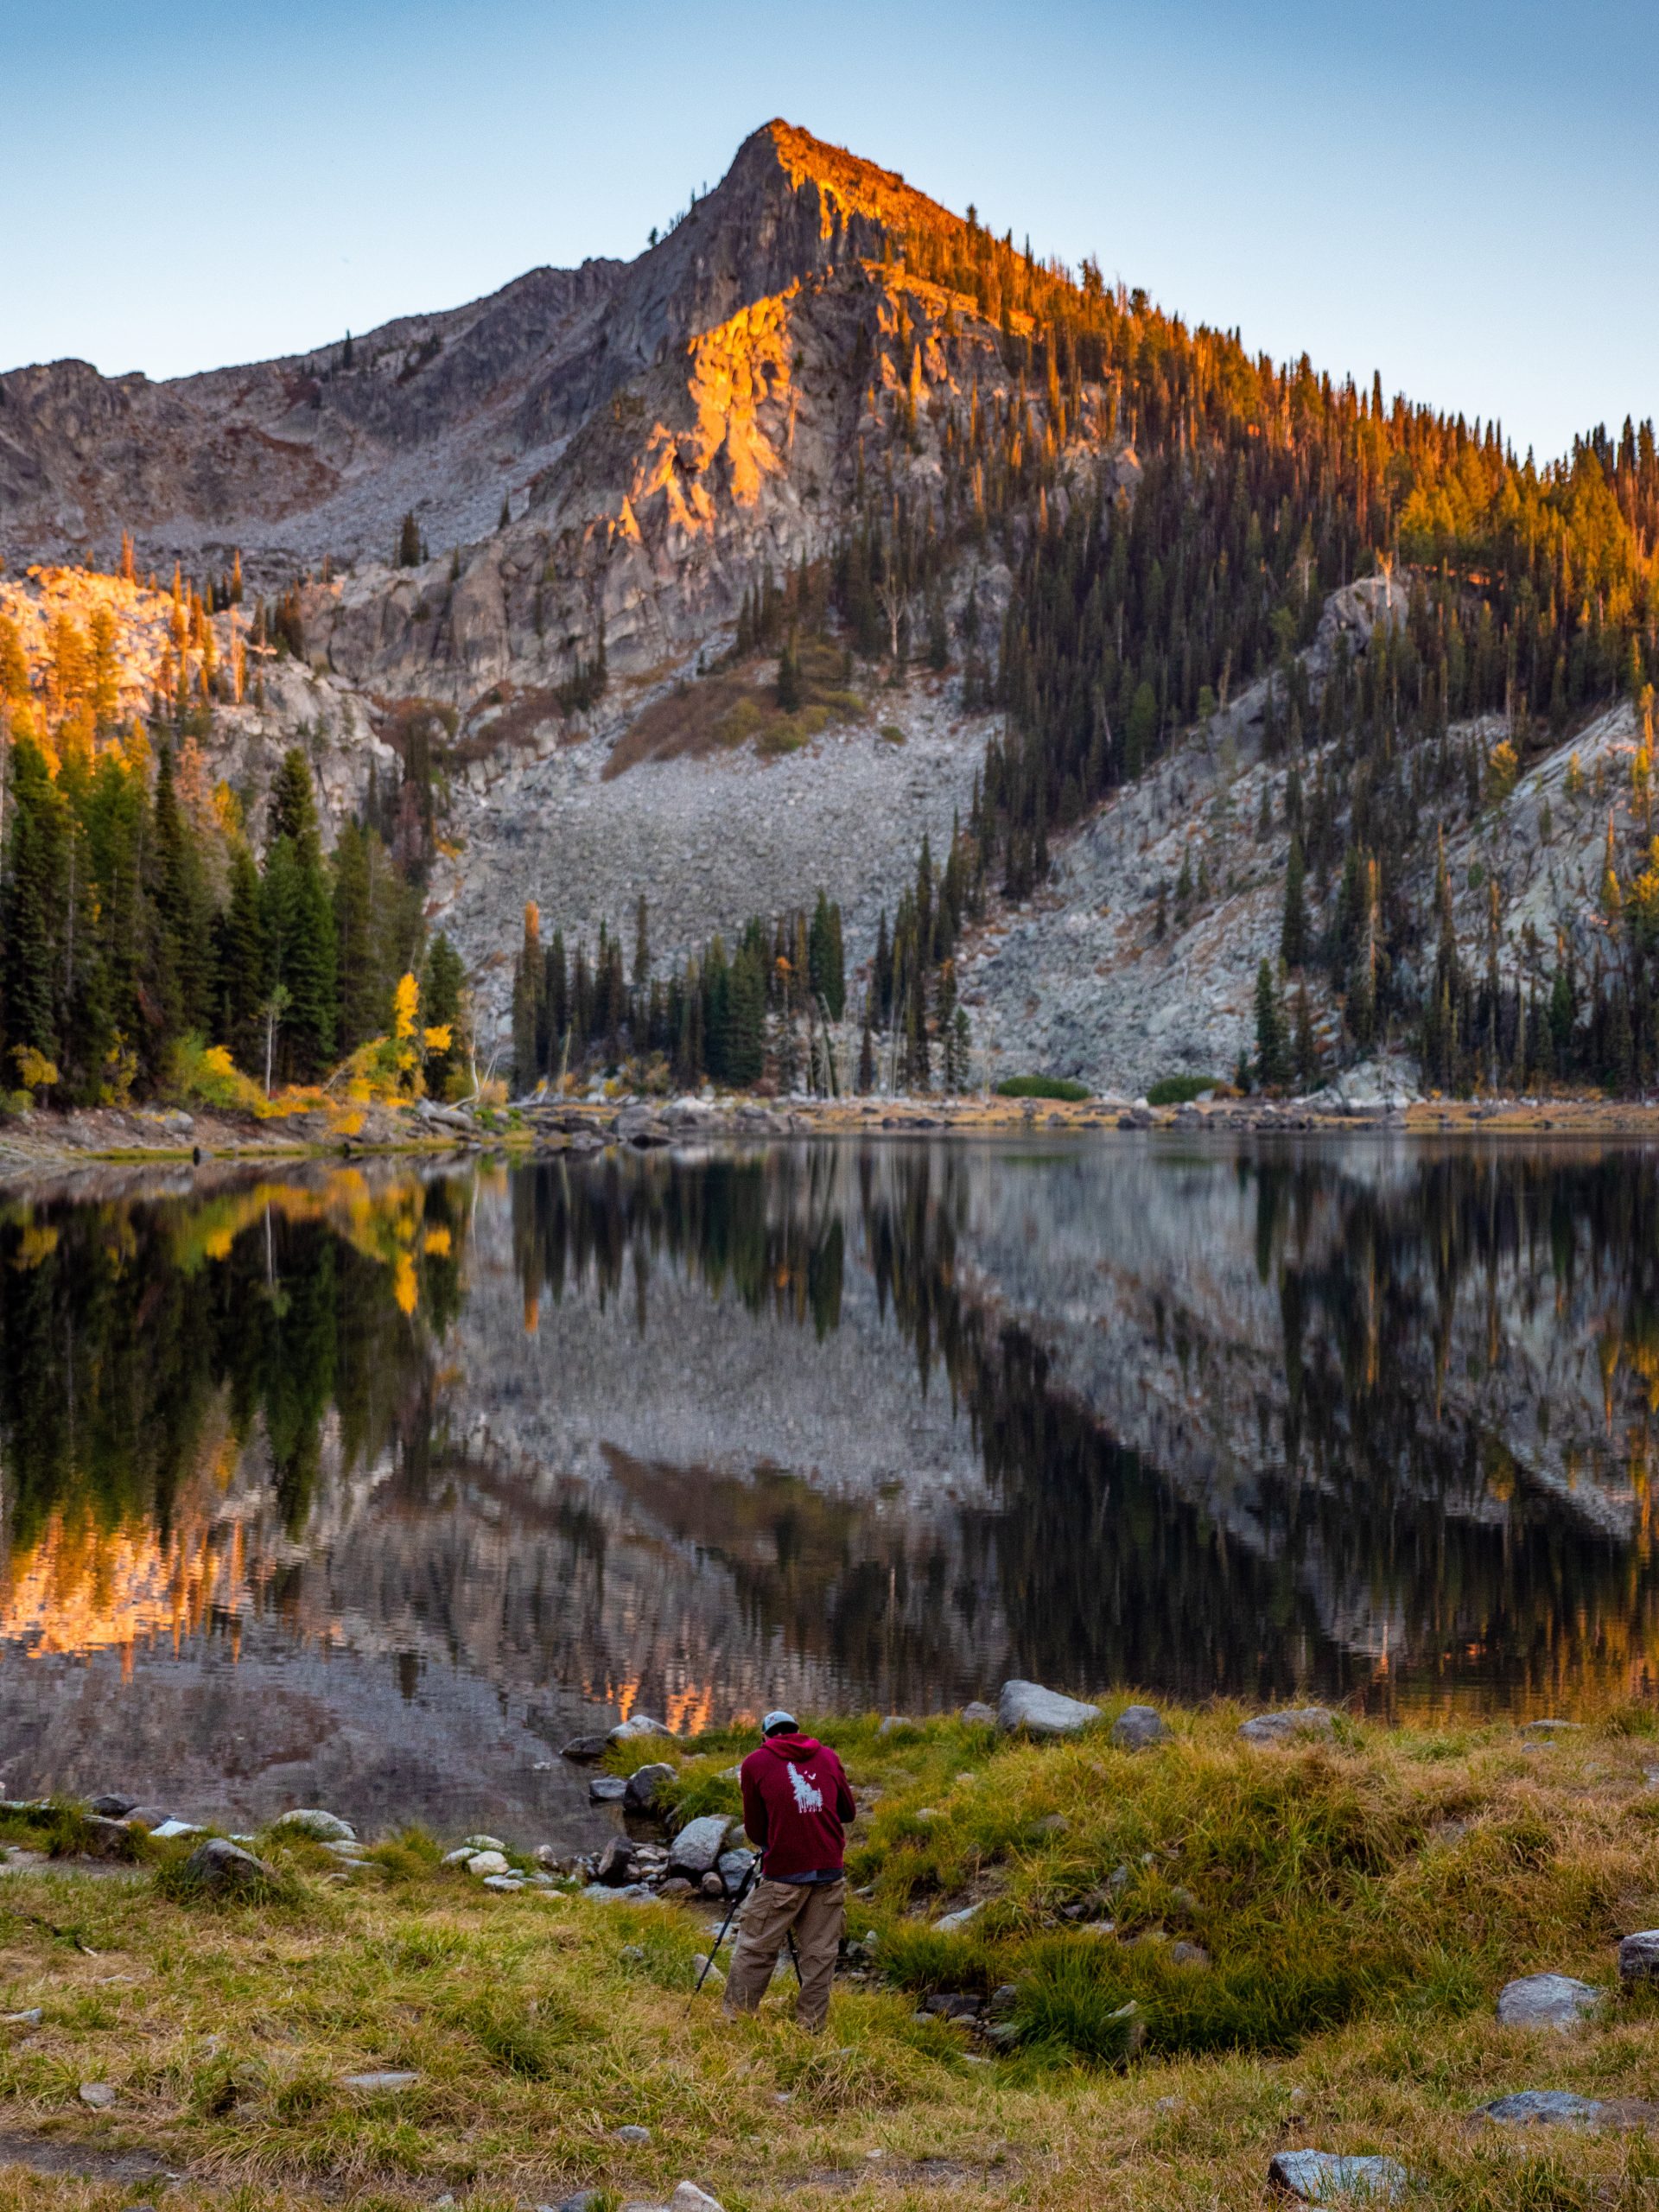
<point x="661" y="435"/>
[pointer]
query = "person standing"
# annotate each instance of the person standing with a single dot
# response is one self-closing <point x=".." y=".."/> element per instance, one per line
<point x="796" y="1807"/>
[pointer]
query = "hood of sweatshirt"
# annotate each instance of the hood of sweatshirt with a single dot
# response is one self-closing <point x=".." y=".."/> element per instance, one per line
<point x="799" y="1750"/>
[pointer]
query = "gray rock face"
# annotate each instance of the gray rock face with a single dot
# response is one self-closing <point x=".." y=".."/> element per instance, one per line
<point x="311" y="1820"/>
<point x="1333" y="2178"/>
<point x="643" y="1786"/>
<point x="696" y="1848"/>
<point x="1638" y="1956"/>
<point x="1285" y="1727"/>
<point x="1029" y="1707"/>
<point x="225" y="1870"/>
<point x="1543" y="2108"/>
<point x="979" y="1714"/>
<point x="1546" y="2000"/>
<point x="1138" y="1727"/>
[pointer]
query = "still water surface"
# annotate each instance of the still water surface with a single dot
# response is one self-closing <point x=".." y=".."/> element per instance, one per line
<point x="369" y="1486"/>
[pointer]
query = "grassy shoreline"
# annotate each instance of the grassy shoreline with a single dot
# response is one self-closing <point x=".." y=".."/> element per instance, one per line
<point x="1357" y="1901"/>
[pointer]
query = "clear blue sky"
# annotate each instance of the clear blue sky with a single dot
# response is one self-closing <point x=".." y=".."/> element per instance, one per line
<point x="1463" y="195"/>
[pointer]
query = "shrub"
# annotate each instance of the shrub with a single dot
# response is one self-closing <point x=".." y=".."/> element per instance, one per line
<point x="208" y="1075"/>
<point x="1180" y="1090"/>
<point x="892" y="734"/>
<point x="1043" y="1086"/>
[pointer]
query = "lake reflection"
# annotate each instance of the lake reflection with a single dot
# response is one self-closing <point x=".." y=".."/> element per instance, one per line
<point x="372" y="1485"/>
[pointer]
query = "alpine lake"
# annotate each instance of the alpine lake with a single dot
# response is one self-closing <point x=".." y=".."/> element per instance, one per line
<point x="370" y="1485"/>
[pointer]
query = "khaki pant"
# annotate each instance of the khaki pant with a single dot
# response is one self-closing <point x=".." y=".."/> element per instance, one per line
<point x="816" y="1911"/>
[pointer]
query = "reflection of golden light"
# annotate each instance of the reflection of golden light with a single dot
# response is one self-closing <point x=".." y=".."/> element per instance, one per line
<point x="80" y="1591"/>
<point x="690" y="1711"/>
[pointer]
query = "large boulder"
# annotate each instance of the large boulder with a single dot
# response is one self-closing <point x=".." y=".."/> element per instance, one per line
<point x="1335" y="2178"/>
<point x="1286" y="1727"/>
<point x="1546" y="2001"/>
<point x="696" y="1848"/>
<point x="1031" y="1709"/>
<point x="1138" y="1727"/>
<point x="222" y="1869"/>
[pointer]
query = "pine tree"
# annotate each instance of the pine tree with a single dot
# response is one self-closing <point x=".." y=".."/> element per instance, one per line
<point x="443" y="994"/>
<point x="529" y="982"/>
<point x="1270" y="1058"/>
<point x="408" y="544"/>
<point x="1293" y="936"/>
<point x="789" y="679"/>
<point x="1306" y="1051"/>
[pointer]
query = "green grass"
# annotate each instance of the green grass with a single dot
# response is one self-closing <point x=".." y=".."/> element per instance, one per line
<point x="1360" y="1902"/>
<point x="1179" y="1089"/>
<point x="1043" y="1086"/>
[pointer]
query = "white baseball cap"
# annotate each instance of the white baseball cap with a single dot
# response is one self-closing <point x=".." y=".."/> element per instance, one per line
<point x="775" y="1722"/>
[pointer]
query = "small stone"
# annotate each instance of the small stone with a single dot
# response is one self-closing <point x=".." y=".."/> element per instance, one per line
<point x="1327" y="2177"/>
<point x="1546" y="2001"/>
<point x="632" y="2134"/>
<point x="98" y="2095"/>
<point x="959" y="1918"/>
<point x="1138" y="1727"/>
<point x="390" y="2078"/>
<point x="688" y="2197"/>
<point x="1188" y="1954"/>
<point x="615" y="1863"/>
<point x="733" y="1866"/>
<point x="640" y="1792"/>
<point x="635" y="1952"/>
<point x="607" y="1790"/>
<point x="105" y="1839"/>
<point x="459" y="1856"/>
<point x="584" y="1748"/>
<point x="585" y="2200"/>
<point x="677" y="1886"/>
<point x="1028" y="1707"/>
<point x="1543" y="2108"/>
<point x="168" y="1829"/>
<point x="1053" y="1824"/>
<point x="1638" y="1956"/>
<point x="978" y="1715"/>
<point x="486" y="1862"/>
<point x="893" y="1723"/>
<point x="483" y="1843"/>
<point x="711" y="1886"/>
<point x="225" y="1870"/>
<point x="1284" y="1727"/>
<point x="31" y="2019"/>
<point x="112" y="1805"/>
<point x="547" y="1856"/>
<point x="504" y="1883"/>
<point x="312" y="1820"/>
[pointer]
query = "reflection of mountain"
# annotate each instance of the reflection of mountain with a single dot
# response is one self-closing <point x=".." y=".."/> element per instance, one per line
<point x="1414" y="1389"/>
<point x="386" y="1481"/>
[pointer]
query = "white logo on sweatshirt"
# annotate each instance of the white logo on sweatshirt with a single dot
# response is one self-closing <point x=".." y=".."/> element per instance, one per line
<point x="808" y="1797"/>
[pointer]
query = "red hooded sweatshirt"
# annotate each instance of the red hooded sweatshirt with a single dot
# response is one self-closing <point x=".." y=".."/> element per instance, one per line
<point x="796" y="1803"/>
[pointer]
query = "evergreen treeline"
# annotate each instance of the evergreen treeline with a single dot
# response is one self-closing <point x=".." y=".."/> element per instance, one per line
<point x="139" y="923"/>
<point x="759" y="1012"/>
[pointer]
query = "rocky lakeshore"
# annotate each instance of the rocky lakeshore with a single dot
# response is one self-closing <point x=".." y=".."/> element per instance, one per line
<point x="1228" y="1952"/>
